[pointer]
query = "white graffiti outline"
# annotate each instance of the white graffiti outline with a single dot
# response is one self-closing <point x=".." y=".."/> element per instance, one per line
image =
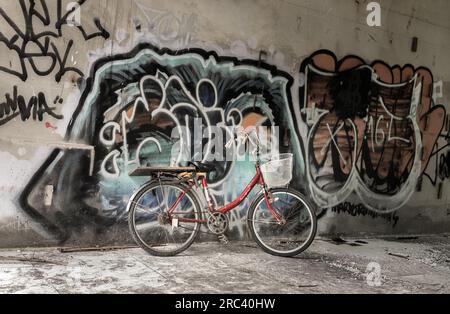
<point x="355" y="183"/>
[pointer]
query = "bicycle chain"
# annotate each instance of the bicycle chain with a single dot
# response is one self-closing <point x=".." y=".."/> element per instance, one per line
<point x="200" y="231"/>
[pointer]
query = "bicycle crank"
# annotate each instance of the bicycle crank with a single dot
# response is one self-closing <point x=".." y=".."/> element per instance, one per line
<point x="218" y="223"/>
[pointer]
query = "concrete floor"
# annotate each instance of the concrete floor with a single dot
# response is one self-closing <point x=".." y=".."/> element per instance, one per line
<point x="416" y="266"/>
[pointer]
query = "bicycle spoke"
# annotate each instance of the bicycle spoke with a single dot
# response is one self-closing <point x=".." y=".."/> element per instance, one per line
<point x="292" y="212"/>
<point x="139" y="205"/>
<point x="265" y="222"/>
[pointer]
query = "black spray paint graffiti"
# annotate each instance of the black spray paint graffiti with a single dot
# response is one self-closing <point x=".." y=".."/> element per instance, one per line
<point x="439" y="166"/>
<point x="40" y="48"/>
<point x="444" y="166"/>
<point x="128" y="110"/>
<point x="440" y="162"/>
<point x="357" y="210"/>
<point x="36" y="107"/>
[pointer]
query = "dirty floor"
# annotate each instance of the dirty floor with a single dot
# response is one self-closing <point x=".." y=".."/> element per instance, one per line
<point x="417" y="265"/>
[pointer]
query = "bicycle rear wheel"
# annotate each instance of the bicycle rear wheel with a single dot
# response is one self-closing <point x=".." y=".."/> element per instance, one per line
<point x="291" y="237"/>
<point x="149" y="222"/>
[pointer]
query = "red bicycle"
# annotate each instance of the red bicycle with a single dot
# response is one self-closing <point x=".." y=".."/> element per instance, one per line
<point x="165" y="214"/>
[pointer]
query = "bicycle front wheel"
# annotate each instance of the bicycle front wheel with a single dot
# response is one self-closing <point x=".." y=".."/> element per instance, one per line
<point x="149" y="222"/>
<point x="290" y="236"/>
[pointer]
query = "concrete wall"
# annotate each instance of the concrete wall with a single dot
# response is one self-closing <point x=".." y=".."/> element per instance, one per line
<point x="63" y="88"/>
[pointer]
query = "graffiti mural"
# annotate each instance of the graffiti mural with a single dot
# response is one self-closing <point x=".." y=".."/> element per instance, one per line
<point x="128" y="111"/>
<point x="38" y="49"/>
<point x="109" y="82"/>
<point x="371" y="129"/>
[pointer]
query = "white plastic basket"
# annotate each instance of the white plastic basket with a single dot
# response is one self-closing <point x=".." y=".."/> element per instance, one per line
<point x="278" y="171"/>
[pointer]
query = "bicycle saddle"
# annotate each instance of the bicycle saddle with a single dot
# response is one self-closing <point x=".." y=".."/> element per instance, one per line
<point x="203" y="167"/>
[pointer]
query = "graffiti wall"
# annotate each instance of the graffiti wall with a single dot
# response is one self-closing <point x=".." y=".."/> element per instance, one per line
<point x="94" y="89"/>
<point x="127" y="112"/>
<point x="371" y="129"/>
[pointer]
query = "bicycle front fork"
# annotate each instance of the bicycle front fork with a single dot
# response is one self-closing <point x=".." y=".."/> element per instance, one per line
<point x="268" y="196"/>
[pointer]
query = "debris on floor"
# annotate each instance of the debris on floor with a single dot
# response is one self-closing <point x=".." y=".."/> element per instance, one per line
<point x="95" y="249"/>
<point x="26" y="259"/>
<point x="238" y="268"/>
<point x="408" y="238"/>
<point x="399" y="255"/>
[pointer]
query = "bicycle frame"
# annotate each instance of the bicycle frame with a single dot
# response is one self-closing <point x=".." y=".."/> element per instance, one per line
<point x="258" y="178"/>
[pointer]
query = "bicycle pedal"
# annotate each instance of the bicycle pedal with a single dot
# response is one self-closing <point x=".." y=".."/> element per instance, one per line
<point x="223" y="239"/>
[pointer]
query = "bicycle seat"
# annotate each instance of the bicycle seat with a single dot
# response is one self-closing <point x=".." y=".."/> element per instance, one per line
<point x="203" y="167"/>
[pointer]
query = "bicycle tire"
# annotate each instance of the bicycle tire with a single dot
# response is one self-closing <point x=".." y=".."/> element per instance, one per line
<point x="131" y="217"/>
<point x="265" y="247"/>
